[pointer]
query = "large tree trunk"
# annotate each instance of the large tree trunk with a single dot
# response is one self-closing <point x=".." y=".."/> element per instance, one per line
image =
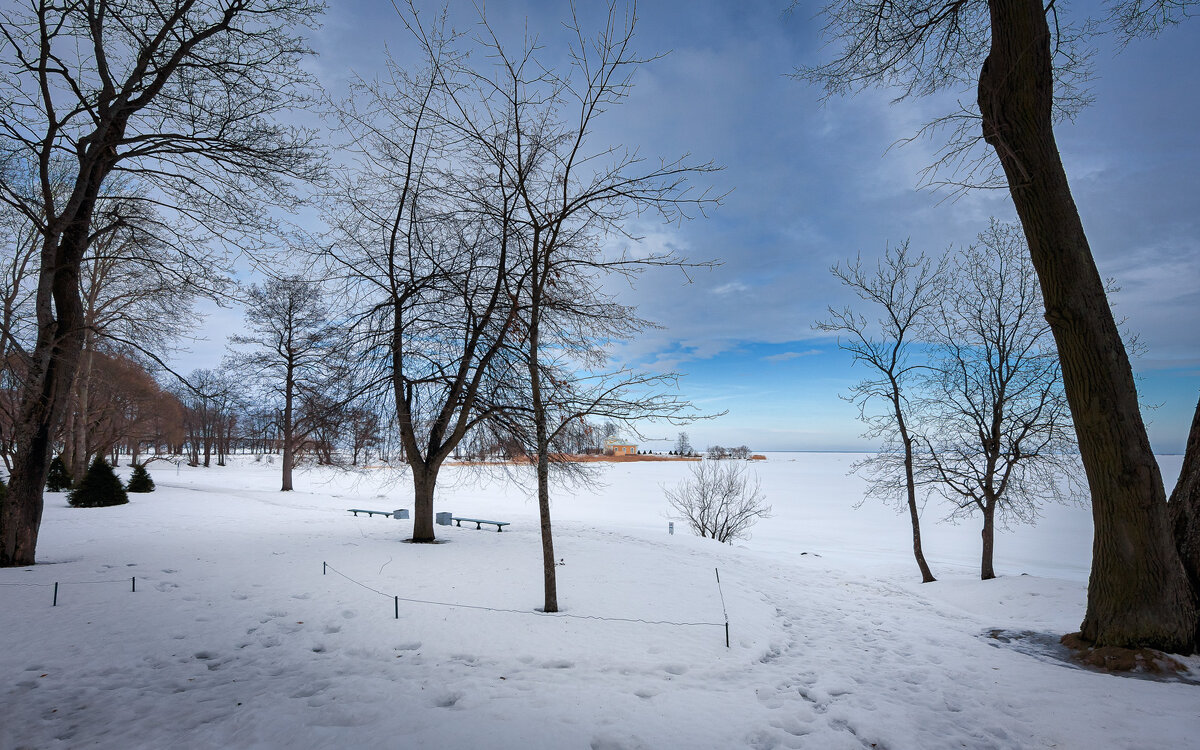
<point x="46" y="391"/>
<point x="1138" y="594"/>
<point x="986" y="571"/>
<point x="424" y="481"/>
<point x="1184" y="508"/>
<point x="289" y="446"/>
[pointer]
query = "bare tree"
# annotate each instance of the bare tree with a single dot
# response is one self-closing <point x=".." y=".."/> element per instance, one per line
<point x="422" y="227"/>
<point x="996" y="428"/>
<point x="571" y="196"/>
<point x="180" y="95"/>
<point x="683" y="445"/>
<point x="1014" y="54"/>
<point x="902" y="291"/>
<point x="719" y="500"/>
<point x="290" y="349"/>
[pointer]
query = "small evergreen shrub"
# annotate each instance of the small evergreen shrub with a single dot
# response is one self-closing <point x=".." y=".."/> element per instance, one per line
<point x="59" y="479"/>
<point x="99" y="488"/>
<point x="140" y="481"/>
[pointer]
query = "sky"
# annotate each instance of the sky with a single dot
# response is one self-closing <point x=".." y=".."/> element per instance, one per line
<point x="812" y="182"/>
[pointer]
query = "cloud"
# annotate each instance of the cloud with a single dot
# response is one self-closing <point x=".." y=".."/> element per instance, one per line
<point x="730" y="288"/>
<point x="785" y="356"/>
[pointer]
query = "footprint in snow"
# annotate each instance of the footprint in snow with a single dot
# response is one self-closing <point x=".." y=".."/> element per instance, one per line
<point x="675" y="669"/>
<point x="331" y="629"/>
<point x="410" y="646"/>
<point x="447" y="700"/>
<point x="558" y="664"/>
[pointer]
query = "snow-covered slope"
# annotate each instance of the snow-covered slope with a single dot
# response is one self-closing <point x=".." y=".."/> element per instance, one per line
<point x="238" y="635"/>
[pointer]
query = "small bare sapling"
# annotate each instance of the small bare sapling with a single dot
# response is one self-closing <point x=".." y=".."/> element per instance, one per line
<point x="721" y="500"/>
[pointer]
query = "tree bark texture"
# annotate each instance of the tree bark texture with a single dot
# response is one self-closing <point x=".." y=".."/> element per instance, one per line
<point x="1138" y="594"/>
<point x="424" y="482"/>
<point x="1184" y="508"/>
<point x="538" y="280"/>
<point x="289" y="440"/>
<point x="549" y="571"/>
<point x="46" y="391"/>
<point x="911" y="488"/>
<point x="986" y="570"/>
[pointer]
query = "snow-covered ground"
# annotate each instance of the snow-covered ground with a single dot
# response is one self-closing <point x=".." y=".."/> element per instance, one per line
<point x="234" y="638"/>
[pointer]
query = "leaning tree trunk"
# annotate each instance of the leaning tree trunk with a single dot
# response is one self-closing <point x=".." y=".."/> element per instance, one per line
<point x="910" y="483"/>
<point x="46" y="391"/>
<point x="1138" y="594"/>
<point x="1184" y="508"/>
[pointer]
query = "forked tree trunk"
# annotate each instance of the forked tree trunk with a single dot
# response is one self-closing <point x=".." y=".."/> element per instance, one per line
<point x="1138" y="593"/>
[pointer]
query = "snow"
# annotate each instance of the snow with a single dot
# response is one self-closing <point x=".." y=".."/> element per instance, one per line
<point x="234" y="637"/>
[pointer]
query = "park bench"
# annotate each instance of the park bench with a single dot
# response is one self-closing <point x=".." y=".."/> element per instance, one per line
<point x="402" y="513"/>
<point x="479" y="523"/>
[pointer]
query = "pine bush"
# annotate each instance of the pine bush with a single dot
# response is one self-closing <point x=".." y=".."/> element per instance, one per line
<point x="99" y="488"/>
<point x="140" y="481"/>
<point x="59" y="479"/>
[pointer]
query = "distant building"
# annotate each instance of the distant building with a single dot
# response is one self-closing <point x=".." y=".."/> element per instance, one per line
<point x="618" y="447"/>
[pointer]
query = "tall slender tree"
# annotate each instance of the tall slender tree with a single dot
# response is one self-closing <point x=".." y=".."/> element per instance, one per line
<point x="289" y="355"/>
<point x="571" y="196"/>
<point x="903" y="293"/>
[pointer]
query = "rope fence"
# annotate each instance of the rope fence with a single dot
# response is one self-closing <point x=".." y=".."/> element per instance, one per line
<point x="396" y="599"/>
<point x="326" y="568"/>
<point x="54" y="602"/>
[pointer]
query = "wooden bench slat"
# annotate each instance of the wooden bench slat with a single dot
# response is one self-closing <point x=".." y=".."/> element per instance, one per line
<point x="369" y="513"/>
<point x="479" y="523"/>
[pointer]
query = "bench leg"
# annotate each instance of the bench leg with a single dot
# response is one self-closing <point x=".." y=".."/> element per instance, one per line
<point x="499" y="528"/>
<point x="478" y="526"/>
<point x="458" y="523"/>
